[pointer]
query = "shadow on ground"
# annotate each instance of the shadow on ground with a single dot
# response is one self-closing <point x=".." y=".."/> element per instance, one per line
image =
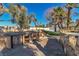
<point x="52" y="48"/>
<point x="19" y="51"/>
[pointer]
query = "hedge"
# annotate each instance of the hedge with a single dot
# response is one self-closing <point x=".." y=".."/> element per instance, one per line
<point x="52" y="33"/>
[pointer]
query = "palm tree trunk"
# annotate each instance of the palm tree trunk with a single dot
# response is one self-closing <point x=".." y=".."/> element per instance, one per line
<point x="55" y="28"/>
<point x="76" y="26"/>
<point x="59" y="26"/>
<point x="35" y="25"/>
<point x="68" y="17"/>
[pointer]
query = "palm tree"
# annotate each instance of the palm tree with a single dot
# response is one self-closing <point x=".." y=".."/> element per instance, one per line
<point x="2" y="9"/>
<point x="33" y="19"/>
<point x="56" y="17"/>
<point x="21" y="18"/>
<point x="51" y="17"/>
<point x="60" y="16"/>
<point x="13" y="11"/>
<point x="41" y="25"/>
<point x="69" y="7"/>
<point x="77" y="24"/>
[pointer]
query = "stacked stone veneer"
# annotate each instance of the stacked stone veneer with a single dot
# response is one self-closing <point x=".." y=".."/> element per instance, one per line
<point x="5" y="41"/>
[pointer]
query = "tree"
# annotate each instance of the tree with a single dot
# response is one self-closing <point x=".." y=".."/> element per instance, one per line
<point x="13" y="12"/>
<point x="69" y="7"/>
<point x="41" y="25"/>
<point x="56" y="17"/>
<point x="60" y="16"/>
<point x="2" y="9"/>
<point x="21" y="18"/>
<point x="77" y="24"/>
<point x="19" y="15"/>
<point x="51" y="17"/>
<point x="33" y="19"/>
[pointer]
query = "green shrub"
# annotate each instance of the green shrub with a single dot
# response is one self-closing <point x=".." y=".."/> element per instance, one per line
<point x="52" y="33"/>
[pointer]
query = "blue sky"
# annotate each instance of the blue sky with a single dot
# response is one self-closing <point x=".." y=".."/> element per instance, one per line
<point x="37" y="8"/>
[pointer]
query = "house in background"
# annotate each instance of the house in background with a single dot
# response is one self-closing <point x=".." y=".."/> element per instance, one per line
<point x="39" y="28"/>
<point x="8" y="28"/>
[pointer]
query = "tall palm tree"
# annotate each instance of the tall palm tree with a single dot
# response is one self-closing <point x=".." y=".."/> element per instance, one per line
<point x="69" y="7"/>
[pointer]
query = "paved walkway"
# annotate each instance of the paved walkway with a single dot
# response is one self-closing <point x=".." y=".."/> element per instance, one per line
<point x="19" y="51"/>
<point x="47" y="47"/>
<point x="50" y="47"/>
<point x="1" y="54"/>
<point x="36" y="50"/>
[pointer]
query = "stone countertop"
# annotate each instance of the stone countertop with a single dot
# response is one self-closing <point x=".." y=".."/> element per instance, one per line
<point x="70" y="33"/>
<point x="75" y="34"/>
<point x="13" y="33"/>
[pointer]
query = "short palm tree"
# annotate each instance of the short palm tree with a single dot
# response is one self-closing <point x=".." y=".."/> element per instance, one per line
<point x="56" y="17"/>
<point x="12" y="11"/>
<point x="33" y="19"/>
<point x="77" y="24"/>
<point x="60" y="16"/>
<point x="21" y="18"/>
<point x="2" y="9"/>
<point x="51" y="17"/>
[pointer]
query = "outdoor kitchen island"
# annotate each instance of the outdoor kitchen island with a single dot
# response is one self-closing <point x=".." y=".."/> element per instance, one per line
<point x="70" y="42"/>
